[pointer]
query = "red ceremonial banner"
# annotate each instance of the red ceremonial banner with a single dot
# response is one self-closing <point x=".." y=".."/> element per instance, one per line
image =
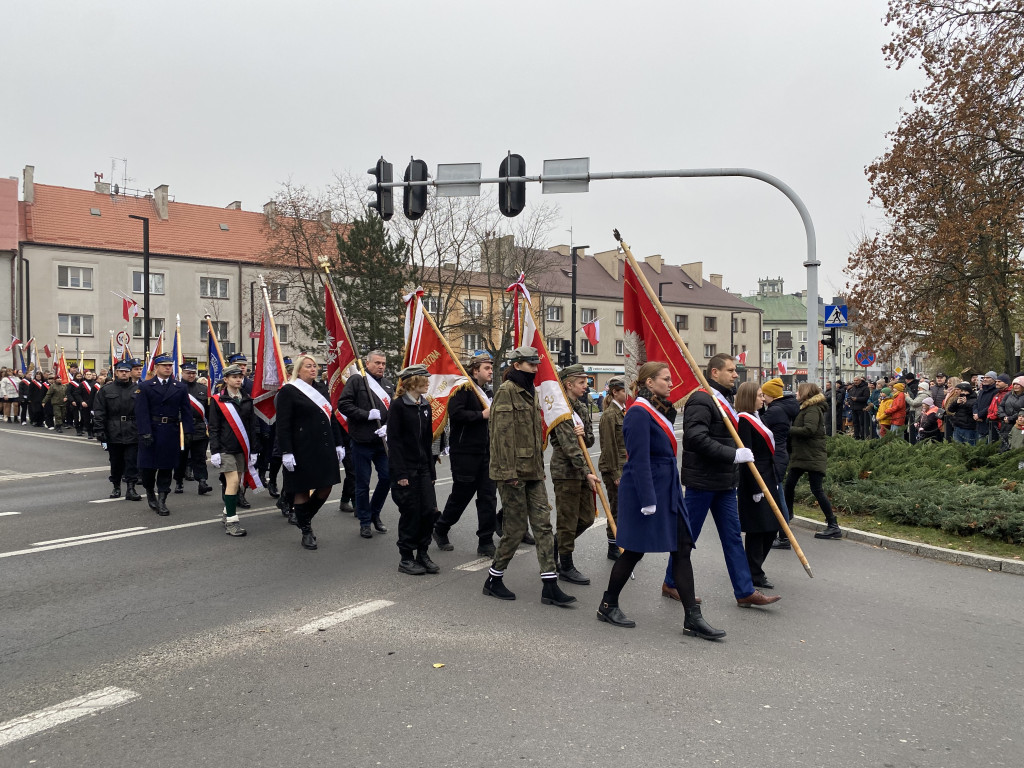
<point x="341" y="353"/>
<point x="268" y="371"/>
<point x="428" y="347"/>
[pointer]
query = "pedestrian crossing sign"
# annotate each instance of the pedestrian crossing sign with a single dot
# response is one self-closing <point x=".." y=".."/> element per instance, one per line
<point x="835" y="316"/>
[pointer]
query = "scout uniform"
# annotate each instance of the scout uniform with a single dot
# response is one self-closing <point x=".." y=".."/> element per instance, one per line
<point x="613" y="456"/>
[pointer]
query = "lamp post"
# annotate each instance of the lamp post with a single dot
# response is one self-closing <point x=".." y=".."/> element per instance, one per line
<point x="575" y="250"/>
<point x="252" y="320"/>
<point x="145" y="283"/>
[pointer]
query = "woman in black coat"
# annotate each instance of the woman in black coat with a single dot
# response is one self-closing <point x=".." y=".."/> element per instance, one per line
<point x="757" y="519"/>
<point x="411" y="468"/>
<point x="310" y="440"/>
<point x="234" y="443"/>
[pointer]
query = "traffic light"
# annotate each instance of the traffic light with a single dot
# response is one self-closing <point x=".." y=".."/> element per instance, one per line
<point x="565" y="354"/>
<point x="830" y="340"/>
<point x="385" y="202"/>
<point x="414" y="199"/>
<point x="512" y="194"/>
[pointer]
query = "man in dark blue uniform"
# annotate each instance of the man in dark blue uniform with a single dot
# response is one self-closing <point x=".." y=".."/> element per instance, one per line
<point x="192" y="464"/>
<point x="162" y="415"/>
<point x="114" y="424"/>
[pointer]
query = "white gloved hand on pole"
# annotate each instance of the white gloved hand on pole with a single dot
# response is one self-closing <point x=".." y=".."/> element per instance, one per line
<point x="374" y="414"/>
<point x="288" y="462"/>
<point x="743" y="456"/>
<point x="649" y="510"/>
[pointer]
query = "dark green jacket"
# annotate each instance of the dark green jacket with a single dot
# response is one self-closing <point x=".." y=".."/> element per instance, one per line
<point x="808" y="436"/>
<point x="515" y="435"/>
<point x="613" y="447"/>
<point x="567" y="460"/>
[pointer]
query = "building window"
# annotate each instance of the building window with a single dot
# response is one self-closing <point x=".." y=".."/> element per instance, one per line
<point x="710" y="350"/>
<point x="220" y="330"/>
<point x="743" y="325"/>
<point x="682" y="322"/>
<point x="74" y="325"/>
<point x="802" y="354"/>
<point x="586" y="348"/>
<point x="766" y="337"/>
<point x="554" y="344"/>
<point x="473" y="308"/>
<point x="431" y="304"/>
<point x="213" y="287"/>
<point x="619" y="348"/>
<point x="278" y="292"/>
<point x="74" y="277"/>
<point x="156" y="283"/>
<point x="472" y="342"/>
<point x="553" y="314"/>
<point x="588" y="315"/>
<point x="710" y="324"/>
<point x="156" y="324"/>
<point x="508" y="310"/>
<point x="619" y="317"/>
<point x="766" y="357"/>
<point x="801" y="335"/>
<point x="283" y="334"/>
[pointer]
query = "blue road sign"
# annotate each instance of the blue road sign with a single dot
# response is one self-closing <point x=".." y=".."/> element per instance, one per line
<point x="865" y="356"/>
<point x="835" y="316"/>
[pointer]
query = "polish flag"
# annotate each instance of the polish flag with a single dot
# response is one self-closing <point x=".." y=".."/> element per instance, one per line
<point x="592" y="331"/>
<point x="129" y="309"/>
<point x="269" y="371"/>
<point x="783" y="367"/>
<point x="14" y="342"/>
<point x="46" y="350"/>
<point x="741" y="358"/>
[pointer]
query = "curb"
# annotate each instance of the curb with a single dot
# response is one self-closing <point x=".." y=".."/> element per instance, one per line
<point x="1001" y="564"/>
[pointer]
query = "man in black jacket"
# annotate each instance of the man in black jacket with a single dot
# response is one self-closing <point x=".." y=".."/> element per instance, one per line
<point x="858" y="397"/>
<point x="364" y="402"/>
<point x="469" y="409"/>
<point x="193" y="455"/>
<point x="113" y="416"/>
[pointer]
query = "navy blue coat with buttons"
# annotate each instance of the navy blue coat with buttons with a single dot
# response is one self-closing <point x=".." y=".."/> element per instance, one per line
<point x="161" y="410"/>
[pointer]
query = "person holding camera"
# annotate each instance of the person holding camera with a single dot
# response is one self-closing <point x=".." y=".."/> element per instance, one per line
<point x="961" y="412"/>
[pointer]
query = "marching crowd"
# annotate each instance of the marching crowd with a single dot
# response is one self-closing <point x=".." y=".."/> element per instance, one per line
<point x="158" y="431"/>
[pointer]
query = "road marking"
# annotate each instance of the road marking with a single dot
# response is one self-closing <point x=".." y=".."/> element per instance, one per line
<point x="4" y="514"/>
<point x="106" y="501"/>
<point x="72" y="709"/>
<point x="75" y="439"/>
<point x="352" y="612"/>
<point x="89" y="536"/>
<point x="33" y="475"/>
<point x="107" y="537"/>
<point x="483" y="562"/>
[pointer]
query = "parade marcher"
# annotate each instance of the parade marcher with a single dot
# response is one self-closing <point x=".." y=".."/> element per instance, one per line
<point x="87" y="396"/>
<point x="163" y="416"/>
<point x="808" y="454"/>
<point x="234" y="443"/>
<point x="710" y="458"/>
<point x="114" y="426"/>
<point x="310" y="441"/>
<point x="652" y="515"/>
<point x="613" y="453"/>
<point x="36" y="393"/>
<point x="781" y="408"/>
<point x="517" y="466"/>
<point x="10" y="391"/>
<point x="573" y="482"/>
<point x="364" y="401"/>
<point x="192" y="462"/>
<point x="56" y="398"/>
<point x="757" y="520"/>
<point x="469" y="411"/>
<point x="411" y="469"/>
<point x="136" y="374"/>
<point x="25" y="391"/>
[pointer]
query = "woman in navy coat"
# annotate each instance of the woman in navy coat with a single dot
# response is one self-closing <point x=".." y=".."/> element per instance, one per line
<point x="651" y="516"/>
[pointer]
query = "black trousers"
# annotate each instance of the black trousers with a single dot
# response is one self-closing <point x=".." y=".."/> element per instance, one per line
<point x="470" y="475"/>
<point x="193" y="455"/>
<point x="861" y="425"/>
<point x="124" y="459"/>
<point x="816" y="480"/>
<point x="416" y="504"/>
<point x="348" y="483"/>
<point x="757" y="546"/>
<point x="160" y="478"/>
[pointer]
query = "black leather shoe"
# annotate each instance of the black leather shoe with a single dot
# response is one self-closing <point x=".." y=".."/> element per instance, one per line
<point x="272" y="490"/>
<point x="424" y="559"/>
<point x="528" y="539"/>
<point x="151" y="500"/>
<point x="346" y="507"/>
<point x="485" y="549"/>
<point x="188" y="475"/>
<point x="243" y="502"/>
<point x="763" y="584"/>
<point x="179" y="487"/>
<point x="116" y="493"/>
<point x="411" y="567"/>
<point x="131" y="494"/>
<point x="781" y="543"/>
<point x="365" y="532"/>
<point x="378" y="525"/>
<point x="308" y="539"/>
<point x="161" y="504"/>
<point x="204" y="487"/>
<point x="442" y="541"/>
<point x="612" y="615"/>
<point x="613" y="550"/>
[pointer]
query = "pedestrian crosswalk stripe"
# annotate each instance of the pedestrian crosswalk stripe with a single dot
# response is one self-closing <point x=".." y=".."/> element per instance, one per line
<point x="72" y="709"/>
<point x="352" y="612"/>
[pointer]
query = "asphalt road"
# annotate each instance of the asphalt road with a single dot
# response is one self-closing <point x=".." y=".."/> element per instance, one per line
<point x="182" y="646"/>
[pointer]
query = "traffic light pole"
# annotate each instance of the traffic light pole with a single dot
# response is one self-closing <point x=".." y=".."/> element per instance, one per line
<point x="811" y="263"/>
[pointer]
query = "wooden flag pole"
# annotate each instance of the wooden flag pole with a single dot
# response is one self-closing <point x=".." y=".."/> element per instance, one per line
<point x="450" y="352"/>
<point x="704" y="383"/>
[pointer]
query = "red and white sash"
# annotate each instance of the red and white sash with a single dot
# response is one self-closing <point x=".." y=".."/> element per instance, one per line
<point x="38" y="383"/>
<point x="230" y="412"/>
<point x="15" y="382"/>
<point x="660" y="420"/>
<point x="197" y="406"/>
<point x="84" y="383"/>
<point x="378" y="390"/>
<point x="760" y="428"/>
<point x="483" y="395"/>
<point x="726" y="405"/>
<point x="318" y="400"/>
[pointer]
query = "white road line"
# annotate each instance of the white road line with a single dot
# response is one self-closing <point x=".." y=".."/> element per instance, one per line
<point x="106" y="501"/>
<point x="246" y="516"/>
<point x="4" y="514"/>
<point x="74" y="439"/>
<point x="89" y="536"/>
<point x="33" y="475"/>
<point x="483" y="562"/>
<point x="352" y="612"/>
<point x="72" y="709"/>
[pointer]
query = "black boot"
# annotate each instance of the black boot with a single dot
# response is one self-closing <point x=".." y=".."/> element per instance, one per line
<point x="553" y="595"/>
<point x="151" y="499"/>
<point x="161" y="504"/>
<point x="442" y="541"/>
<point x="189" y="475"/>
<point x="116" y="493"/>
<point x="242" y="501"/>
<point x="179" y="487"/>
<point x="378" y="525"/>
<point x="131" y="494"/>
<point x="613" y="550"/>
<point x="567" y="571"/>
<point x="832" y="531"/>
<point x="694" y="624"/>
<point x="204" y="487"/>
<point x="308" y="539"/>
<point x="346" y="507"/>
<point x="609" y="612"/>
<point x="410" y="566"/>
<point x="272" y="490"/>
<point x="495" y="587"/>
<point x="424" y="559"/>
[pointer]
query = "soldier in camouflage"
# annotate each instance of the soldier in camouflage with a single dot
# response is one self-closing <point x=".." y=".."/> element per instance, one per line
<point x="517" y="466"/>
<point x="570" y="474"/>
<point x="613" y="452"/>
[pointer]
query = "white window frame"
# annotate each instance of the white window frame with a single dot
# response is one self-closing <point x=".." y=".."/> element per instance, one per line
<point x="283" y="333"/>
<point x="473" y="308"/>
<point x="588" y="315"/>
<point x="710" y="350"/>
<point x="620" y="317"/>
<point x="226" y="282"/>
<point x="66" y="324"/>
<point x="81" y="277"/>
<point x="431" y="304"/>
<point x="682" y="322"/>
<point x="586" y="348"/>
<point x="220" y="327"/>
<point x="153" y="291"/>
<point x="278" y="292"/>
<point x="155" y="323"/>
<point x="620" y="348"/>
<point x="475" y="338"/>
<point x="555" y="344"/>
<point x="553" y="313"/>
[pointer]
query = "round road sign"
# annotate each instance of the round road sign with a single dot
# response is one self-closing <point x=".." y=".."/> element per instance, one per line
<point x="865" y="357"/>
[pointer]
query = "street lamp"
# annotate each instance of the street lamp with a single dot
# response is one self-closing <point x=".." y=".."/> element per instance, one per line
<point x="575" y="250"/>
<point x="145" y="282"/>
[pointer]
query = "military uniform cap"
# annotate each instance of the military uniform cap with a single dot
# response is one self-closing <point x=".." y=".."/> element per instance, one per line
<point x="233" y="370"/>
<point x="572" y="370"/>
<point x="480" y="359"/>
<point x="136" y="363"/>
<point x="413" y="370"/>
<point x="161" y="359"/>
<point x="524" y="355"/>
<point x="287" y="361"/>
<point x="238" y="357"/>
<point x="124" y="365"/>
<point x="189" y="367"/>
<point x="617" y="382"/>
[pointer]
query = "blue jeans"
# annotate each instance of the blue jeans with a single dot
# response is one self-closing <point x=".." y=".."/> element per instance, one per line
<point x="365" y="457"/>
<point x="722" y="505"/>
<point x="968" y="436"/>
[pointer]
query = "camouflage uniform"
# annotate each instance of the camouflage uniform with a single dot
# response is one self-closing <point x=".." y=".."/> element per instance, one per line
<point x="613" y="456"/>
<point x="55" y="397"/>
<point x="574" y="501"/>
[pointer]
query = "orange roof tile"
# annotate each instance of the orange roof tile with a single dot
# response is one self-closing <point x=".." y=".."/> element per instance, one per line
<point x="62" y="216"/>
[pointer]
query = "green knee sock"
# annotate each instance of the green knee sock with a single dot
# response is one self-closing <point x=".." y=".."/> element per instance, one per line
<point x="231" y="504"/>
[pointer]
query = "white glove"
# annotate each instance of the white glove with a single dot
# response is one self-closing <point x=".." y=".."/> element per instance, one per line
<point x="288" y="462"/>
<point x="104" y="446"/>
<point x="215" y="459"/>
<point x="758" y="497"/>
<point x="373" y="414"/>
<point x="341" y="453"/>
<point x="252" y="459"/>
<point x="382" y="433"/>
<point x="649" y="510"/>
<point x="743" y="455"/>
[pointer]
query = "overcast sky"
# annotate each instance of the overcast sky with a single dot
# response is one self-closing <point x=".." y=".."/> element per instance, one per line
<point x="225" y="100"/>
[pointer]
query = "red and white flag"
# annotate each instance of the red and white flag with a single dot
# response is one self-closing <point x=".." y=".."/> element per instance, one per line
<point x="592" y="331"/>
<point x="14" y="342"/>
<point x="46" y="351"/>
<point x="648" y="338"/>
<point x="62" y="369"/>
<point x="554" y="408"/>
<point x="157" y="351"/>
<point x="268" y="370"/>
<point x="516" y="289"/>
<point x="341" y="351"/>
<point x="783" y="367"/>
<point x="741" y="358"/>
<point x="428" y="347"/>
<point x="129" y="309"/>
